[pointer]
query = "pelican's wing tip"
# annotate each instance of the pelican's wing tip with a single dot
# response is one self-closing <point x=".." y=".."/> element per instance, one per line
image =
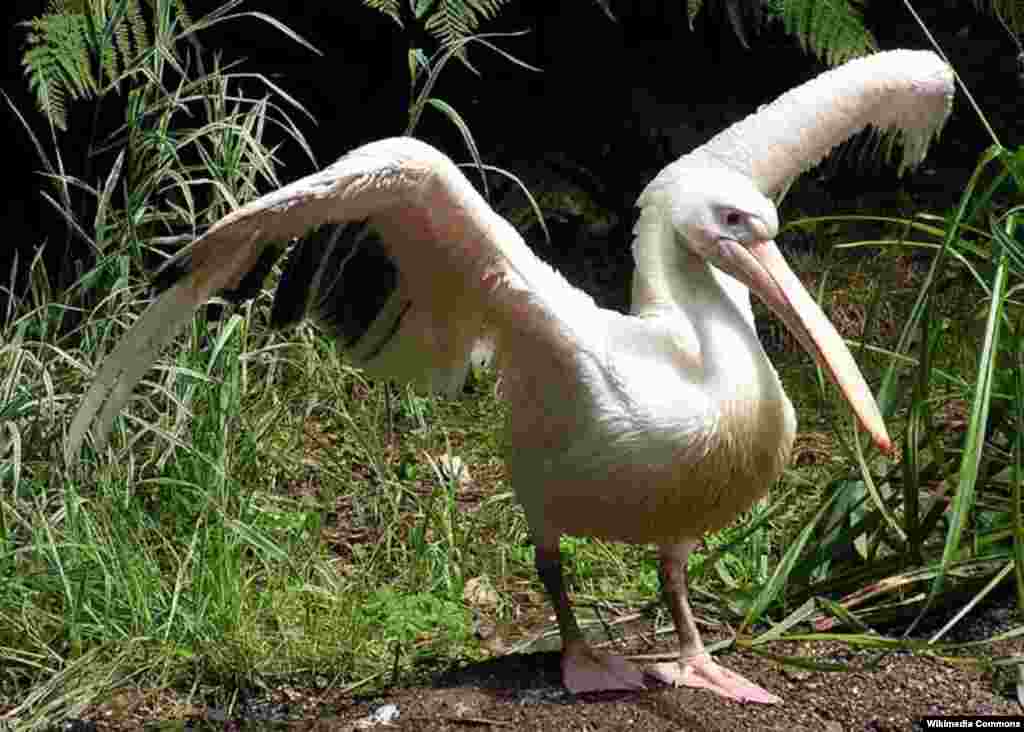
<point x="122" y="369"/>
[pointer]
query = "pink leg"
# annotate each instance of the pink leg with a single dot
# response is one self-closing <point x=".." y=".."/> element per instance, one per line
<point x="695" y="667"/>
<point x="583" y="668"/>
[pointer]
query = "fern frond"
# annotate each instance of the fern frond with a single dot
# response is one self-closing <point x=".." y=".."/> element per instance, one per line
<point x="44" y="83"/>
<point x="135" y="35"/>
<point x="388" y="7"/>
<point x="182" y="11"/>
<point x="57" y="63"/>
<point x="80" y="45"/>
<point x="451" y="22"/>
<point x="833" y="30"/>
<point x="455" y="20"/>
<point x="692" y="8"/>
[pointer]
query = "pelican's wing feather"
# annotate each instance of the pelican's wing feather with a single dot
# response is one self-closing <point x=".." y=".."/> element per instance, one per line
<point x="905" y="95"/>
<point x="410" y="268"/>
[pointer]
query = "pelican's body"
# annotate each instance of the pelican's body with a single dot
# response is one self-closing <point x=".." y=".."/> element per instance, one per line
<point x="654" y="427"/>
<point x="635" y="438"/>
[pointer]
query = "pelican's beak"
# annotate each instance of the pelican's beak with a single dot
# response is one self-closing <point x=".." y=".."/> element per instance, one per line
<point x="760" y="266"/>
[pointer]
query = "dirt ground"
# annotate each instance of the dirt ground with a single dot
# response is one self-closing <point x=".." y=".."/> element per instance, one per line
<point x="522" y="691"/>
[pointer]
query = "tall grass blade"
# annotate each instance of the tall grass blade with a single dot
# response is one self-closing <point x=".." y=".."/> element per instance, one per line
<point x="974" y="442"/>
<point x="776" y="584"/>
<point x="991" y="585"/>
<point x="1017" y="489"/>
<point x="876" y="497"/>
<point x="889" y="390"/>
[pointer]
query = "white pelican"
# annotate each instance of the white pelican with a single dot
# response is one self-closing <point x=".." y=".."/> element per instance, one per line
<point x="654" y="427"/>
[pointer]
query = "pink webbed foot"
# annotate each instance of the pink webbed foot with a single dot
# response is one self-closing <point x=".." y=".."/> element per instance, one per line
<point x="703" y="672"/>
<point x="585" y="670"/>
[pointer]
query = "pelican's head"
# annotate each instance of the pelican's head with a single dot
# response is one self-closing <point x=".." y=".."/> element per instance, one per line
<point x="715" y="209"/>
<point x="719" y="216"/>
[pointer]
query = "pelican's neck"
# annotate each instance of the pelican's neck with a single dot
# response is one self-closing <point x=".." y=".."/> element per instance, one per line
<point x="718" y="308"/>
<point x="709" y="315"/>
<point x="710" y="310"/>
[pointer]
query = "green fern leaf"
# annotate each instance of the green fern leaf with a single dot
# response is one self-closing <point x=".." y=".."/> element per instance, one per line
<point x="449" y="21"/>
<point x="833" y="30"/>
<point x="183" y="15"/>
<point x="45" y="84"/>
<point x="455" y="20"/>
<point x="692" y="8"/>
<point x="390" y="8"/>
<point x="80" y="45"/>
<point x="57" y="63"/>
<point x="131" y="33"/>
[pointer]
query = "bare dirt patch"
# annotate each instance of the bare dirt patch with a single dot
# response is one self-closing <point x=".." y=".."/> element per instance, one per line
<point x="522" y="691"/>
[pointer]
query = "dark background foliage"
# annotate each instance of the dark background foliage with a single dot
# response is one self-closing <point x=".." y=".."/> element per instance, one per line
<point x="584" y="105"/>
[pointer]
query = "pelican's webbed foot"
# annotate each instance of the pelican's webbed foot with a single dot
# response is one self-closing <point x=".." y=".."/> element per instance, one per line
<point x="703" y="672"/>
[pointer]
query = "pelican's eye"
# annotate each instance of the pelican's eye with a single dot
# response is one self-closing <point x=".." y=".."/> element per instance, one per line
<point x="733" y="218"/>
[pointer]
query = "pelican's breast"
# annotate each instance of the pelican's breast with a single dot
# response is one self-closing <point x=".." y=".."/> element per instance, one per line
<point x="750" y="448"/>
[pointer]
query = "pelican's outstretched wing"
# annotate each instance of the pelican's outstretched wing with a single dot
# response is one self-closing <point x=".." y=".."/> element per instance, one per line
<point x="410" y="271"/>
<point x="904" y="95"/>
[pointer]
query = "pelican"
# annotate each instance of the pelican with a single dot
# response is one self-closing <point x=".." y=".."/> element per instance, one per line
<point x="653" y="427"/>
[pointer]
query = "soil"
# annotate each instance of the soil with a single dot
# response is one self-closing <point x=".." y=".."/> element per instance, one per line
<point x="522" y="691"/>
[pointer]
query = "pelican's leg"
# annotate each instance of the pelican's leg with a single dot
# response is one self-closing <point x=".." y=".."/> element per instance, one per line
<point x="696" y="668"/>
<point x="583" y="668"/>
